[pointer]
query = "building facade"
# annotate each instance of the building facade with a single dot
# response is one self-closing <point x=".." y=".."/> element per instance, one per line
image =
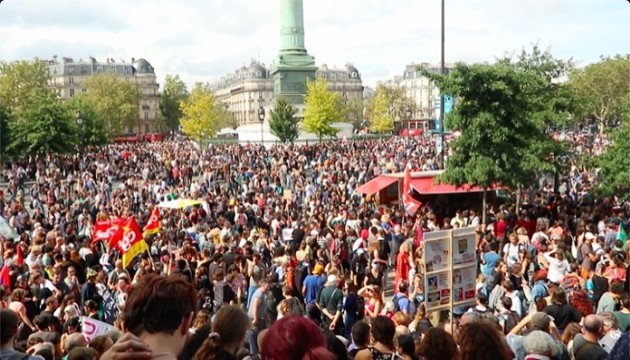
<point x="423" y="92"/>
<point x="68" y="78"/>
<point x="250" y="87"/>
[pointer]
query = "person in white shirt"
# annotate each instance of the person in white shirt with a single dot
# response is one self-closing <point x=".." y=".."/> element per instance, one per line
<point x="510" y="251"/>
<point x="558" y="266"/>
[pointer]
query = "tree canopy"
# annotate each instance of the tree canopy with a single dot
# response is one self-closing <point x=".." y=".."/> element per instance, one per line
<point x="93" y="129"/>
<point x="614" y="164"/>
<point x="600" y="89"/>
<point x="22" y="83"/>
<point x="5" y="137"/>
<point x="48" y="127"/>
<point x="323" y="108"/>
<point x="283" y="123"/>
<point x="116" y="99"/>
<point x="173" y="93"/>
<point x="380" y="110"/>
<point x="502" y="140"/>
<point x="203" y="114"/>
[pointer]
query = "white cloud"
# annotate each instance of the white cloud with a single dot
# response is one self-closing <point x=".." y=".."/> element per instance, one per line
<point x="202" y="40"/>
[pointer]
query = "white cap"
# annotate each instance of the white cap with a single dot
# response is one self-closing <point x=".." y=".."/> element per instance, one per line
<point x="332" y="279"/>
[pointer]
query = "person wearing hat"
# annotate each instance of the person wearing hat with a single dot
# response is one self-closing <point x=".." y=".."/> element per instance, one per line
<point x="586" y="255"/>
<point x="331" y="304"/>
<point x="88" y="290"/>
<point x="310" y="289"/>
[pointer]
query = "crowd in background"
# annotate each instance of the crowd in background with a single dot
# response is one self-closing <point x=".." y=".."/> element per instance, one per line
<point x="284" y="259"/>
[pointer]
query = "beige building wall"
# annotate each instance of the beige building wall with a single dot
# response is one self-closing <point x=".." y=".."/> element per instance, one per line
<point x="250" y="87"/>
<point x="68" y="78"/>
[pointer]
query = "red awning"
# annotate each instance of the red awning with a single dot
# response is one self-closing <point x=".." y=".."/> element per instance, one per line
<point x="377" y="184"/>
<point x="427" y="186"/>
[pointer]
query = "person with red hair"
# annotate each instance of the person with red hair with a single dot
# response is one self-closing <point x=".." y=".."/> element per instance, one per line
<point x="295" y="338"/>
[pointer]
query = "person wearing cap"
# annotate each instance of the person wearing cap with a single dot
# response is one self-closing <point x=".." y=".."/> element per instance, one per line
<point x="331" y="304"/>
<point x="88" y="290"/>
<point x="310" y="288"/>
<point x="587" y="256"/>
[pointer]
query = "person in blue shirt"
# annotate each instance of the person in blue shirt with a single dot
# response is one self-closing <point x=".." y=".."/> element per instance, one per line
<point x="489" y="260"/>
<point x="310" y="289"/>
<point x="401" y="300"/>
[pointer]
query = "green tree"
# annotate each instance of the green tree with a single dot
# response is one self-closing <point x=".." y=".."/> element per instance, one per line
<point x="614" y="164"/>
<point x="381" y="110"/>
<point x="283" y="123"/>
<point x="174" y="93"/>
<point x="600" y="89"/>
<point x="4" y="133"/>
<point x="21" y="83"/>
<point x="203" y="115"/>
<point x="554" y="101"/>
<point x="353" y="110"/>
<point x="116" y="100"/>
<point x="502" y="141"/>
<point x="48" y="127"/>
<point x="93" y="130"/>
<point x="322" y="109"/>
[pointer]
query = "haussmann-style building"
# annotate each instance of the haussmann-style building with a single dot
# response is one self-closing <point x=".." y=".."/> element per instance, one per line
<point x="250" y="87"/>
<point x="68" y="77"/>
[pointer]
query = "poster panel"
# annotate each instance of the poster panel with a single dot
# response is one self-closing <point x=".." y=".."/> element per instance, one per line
<point x="436" y="251"/>
<point x="464" y="250"/>
<point x="438" y="289"/>
<point x="464" y="284"/>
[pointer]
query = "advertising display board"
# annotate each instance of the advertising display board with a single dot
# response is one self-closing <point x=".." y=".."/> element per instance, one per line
<point x="450" y="268"/>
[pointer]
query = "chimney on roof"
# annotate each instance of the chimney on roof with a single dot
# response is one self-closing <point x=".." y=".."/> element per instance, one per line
<point x="133" y="60"/>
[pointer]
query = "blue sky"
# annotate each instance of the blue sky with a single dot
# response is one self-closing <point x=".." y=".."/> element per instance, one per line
<point x="204" y="39"/>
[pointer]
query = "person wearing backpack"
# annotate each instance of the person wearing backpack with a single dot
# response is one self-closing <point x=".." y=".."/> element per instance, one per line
<point x="8" y="332"/>
<point x="482" y="304"/>
<point x="401" y="300"/>
<point x="508" y="318"/>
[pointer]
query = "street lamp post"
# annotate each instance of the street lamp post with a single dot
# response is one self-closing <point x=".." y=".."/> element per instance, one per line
<point x="261" y="117"/>
<point x="79" y="121"/>
<point x="442" y="71"/>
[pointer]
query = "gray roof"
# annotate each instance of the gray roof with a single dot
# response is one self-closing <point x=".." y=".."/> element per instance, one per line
<point x="142" y="67"/>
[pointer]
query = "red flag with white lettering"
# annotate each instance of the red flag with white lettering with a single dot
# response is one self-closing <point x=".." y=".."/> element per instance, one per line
<point x="129" y="241"/>
<point x="104" y="230"/>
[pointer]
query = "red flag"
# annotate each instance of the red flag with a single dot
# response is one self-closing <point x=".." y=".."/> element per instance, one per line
<point x="104" y="230"/>
<point x="129" y="241"/>
<point x="411" y="205"/>
<point x="153" y="226"/>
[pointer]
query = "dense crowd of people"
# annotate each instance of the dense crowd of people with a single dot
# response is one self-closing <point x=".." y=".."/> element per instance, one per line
<point x="283" y="259"/>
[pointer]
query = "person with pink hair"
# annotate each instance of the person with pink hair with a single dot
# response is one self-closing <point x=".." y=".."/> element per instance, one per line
<point x="295" y="338"/>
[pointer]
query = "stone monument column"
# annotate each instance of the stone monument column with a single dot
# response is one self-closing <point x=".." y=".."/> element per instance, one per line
<point x="294" y="66"/>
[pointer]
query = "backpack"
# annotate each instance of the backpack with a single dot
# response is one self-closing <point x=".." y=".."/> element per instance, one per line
<point x="511" y="320"/>
<point x="476" y="310"/>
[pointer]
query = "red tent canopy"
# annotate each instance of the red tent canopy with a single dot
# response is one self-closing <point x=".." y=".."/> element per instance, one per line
<point x="377" y="184"/>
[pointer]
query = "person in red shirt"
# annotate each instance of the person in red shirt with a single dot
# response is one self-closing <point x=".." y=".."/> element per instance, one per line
<point x="500" y="226"/>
